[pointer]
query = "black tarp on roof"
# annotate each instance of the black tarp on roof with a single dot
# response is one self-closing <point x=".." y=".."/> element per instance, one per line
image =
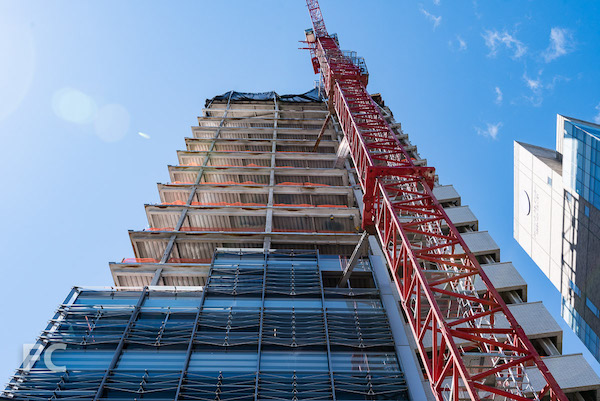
<point x="310" y="96"/>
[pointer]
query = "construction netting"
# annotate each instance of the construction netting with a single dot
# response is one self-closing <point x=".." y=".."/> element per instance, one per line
<point x="307" y="97"/>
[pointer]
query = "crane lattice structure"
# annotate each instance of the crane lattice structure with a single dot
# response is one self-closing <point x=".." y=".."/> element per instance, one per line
<point x="470" y="344"/>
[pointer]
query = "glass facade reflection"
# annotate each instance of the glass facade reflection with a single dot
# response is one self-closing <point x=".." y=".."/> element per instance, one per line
<point x="581" y="160"/>
<point x="581" y="328"/>
<point x="268" y="326"/>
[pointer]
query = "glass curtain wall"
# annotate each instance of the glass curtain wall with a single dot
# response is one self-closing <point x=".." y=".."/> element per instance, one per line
<point x="266" y="327"/>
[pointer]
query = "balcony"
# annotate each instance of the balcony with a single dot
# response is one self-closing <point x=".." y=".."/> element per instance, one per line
<point x="253" y="218"/>
<point x="178" y="194"/>
<point x="130" y="273"/>
<point x="260" y="175"/>
<point x="247" y="159"/>
<point x="446" y="195"/>
<point x="261" y="145"/>
<point x="201" y="245"/>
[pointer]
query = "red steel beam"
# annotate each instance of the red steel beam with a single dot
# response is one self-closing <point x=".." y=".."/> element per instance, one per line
<point x="400" y="207"/>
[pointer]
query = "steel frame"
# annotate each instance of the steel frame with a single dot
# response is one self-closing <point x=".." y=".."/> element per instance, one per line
<point x="188" y="354"/>
<point x="400" y="207"/>
<point x="121" y="344"/>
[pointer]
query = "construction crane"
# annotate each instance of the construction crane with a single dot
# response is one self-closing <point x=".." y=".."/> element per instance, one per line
<point x="470" y="345"/>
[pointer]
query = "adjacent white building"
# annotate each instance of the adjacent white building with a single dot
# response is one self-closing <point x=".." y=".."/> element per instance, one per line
<point x="557" y="219"/>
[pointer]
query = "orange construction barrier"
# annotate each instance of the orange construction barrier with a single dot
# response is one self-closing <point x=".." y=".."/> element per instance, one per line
<point x="342" y="206"/>
<point x="232" y="183"/>
<point x="236" y="229"/>
<point x="139" y="260"/>
<point x="160" y="229"/>
<point x="177" y="202"/>
<point x="306" y="184"/>
<point x="314" y="184"/>
<point x="293" y="205"/>
<point x="226" y="204"/>
<point x="181" y="182"/>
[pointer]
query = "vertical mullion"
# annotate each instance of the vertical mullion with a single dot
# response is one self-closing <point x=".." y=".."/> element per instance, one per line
<point x="212" y="145"/>
<point x="117" y="354"/>
<point x="169" y="248"/>
<point x="326" y="327"/>
<point x="260" y="327"/>
<point x="269" y="218"/>
<point x="190" y="348"/>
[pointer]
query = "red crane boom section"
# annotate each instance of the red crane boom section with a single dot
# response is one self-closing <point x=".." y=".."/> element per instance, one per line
<point x="470" y="345"/>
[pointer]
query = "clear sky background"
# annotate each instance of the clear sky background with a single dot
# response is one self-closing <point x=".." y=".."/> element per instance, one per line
<point x="80" y="80"/>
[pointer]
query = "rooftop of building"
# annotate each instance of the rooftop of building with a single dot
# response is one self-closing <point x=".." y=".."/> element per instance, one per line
<point x="587" y="126"/>
<point x="549" y="157"/>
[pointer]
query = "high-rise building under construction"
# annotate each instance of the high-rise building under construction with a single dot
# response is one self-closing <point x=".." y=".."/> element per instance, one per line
<point x="303" y="250"/>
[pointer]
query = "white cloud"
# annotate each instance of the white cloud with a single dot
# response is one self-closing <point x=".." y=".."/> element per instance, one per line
<point x="435" y="19"/>
<point x="436" y="2"/>
<point x="498" y="95"/>
<point x="556" y="79"/>
<point x="476" y="10"/>
<point x="493" y="39"/>
<point x="457" y="45"/>
<point x="145" y="136"/>
<point x="538" y="86"/>
<point x="533" y="84"/>
<point x="561" y="43"/>
<point x="597" y="116"/>
<point x="491" y="130"/>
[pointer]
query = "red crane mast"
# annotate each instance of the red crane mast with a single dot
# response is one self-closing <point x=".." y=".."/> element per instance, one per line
<point x="455" y="327"/>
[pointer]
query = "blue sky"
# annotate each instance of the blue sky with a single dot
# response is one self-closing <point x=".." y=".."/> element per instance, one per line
<point x="80" y="80"/>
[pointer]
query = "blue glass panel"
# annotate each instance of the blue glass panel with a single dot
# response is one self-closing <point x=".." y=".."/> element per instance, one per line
<point x="226" y="361"/>
<point x="75" y="359"/>
<point x="151" y="359"/>
<point x="272" y="361"/>
<point x="298" y="303"/>
<point x="370" y="361"/>
<point x="227" y="302"/>
<point x="107" y="298"/>
<point x="351" y="304"/>
<point x="173" y="302"/>
<point x="330" y="263"/>
<point x="592" y="307"/>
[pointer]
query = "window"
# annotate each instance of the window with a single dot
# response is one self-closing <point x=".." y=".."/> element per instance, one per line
<point x="277" y="361"/>
<point x="587" y="211"/>
<point x="592" y="307"/>
<point x="550" y="181"/>
<point x="574" y="287"/>
<point x="220" y="360"/>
